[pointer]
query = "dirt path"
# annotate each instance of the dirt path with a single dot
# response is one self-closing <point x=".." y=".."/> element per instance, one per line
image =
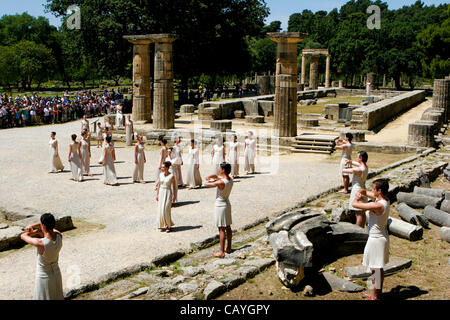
<point x="396" y="132"/>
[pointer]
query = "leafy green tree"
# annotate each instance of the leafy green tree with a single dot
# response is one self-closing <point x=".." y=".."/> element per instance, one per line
<point x="8" y="65"/>
<point x="434" y="44"/>
<point x="35" y="62"/>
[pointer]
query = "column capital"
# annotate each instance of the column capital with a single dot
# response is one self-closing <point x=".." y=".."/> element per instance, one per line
<point x="291" y="37"/>
<point x="150" y="38"/>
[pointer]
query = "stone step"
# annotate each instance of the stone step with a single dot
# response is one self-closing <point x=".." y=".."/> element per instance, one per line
<point x="320" y="138"/>
<point x="294" y="150"/>
<point x="312" y="147"/>
<point x="317" y="143"/>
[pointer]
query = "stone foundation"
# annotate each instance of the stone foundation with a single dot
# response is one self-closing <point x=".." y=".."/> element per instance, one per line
<point x="221" y="125"/>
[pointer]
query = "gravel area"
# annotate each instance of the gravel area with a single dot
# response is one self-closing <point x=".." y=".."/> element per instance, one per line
<point x="129" y="211"/>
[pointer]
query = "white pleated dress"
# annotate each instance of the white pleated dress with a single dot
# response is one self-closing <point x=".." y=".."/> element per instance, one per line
<point x="193" y="177"/>
<point x="233" y="158"/>
<point x="222" y="207"/>
<point x="75" y="162"/>
<point x="165" y="201"/>
<point x="177" y="161"/>
<point x="376" y="251"/>
<point x="358" y="183"/>
<point x="109" y="170"/>
<point x="138" y="173"/>
<point x="129" y="132"/>
<point x="85" y="125"/>
<point x="55" y="160"/>
<point x="85" y="157"/>
<point x="48" y="281"/>
<point x="217" y="158"/>
<point x="346" y="155"/>
<point x="164" y="154"/>
<point x="249" y="155"/>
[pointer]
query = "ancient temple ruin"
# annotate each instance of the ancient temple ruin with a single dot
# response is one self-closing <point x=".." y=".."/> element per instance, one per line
<point x="163" y="100"/>
<point x="314" y="67"/>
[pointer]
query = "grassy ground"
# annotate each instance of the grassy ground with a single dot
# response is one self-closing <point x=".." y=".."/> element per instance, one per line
<point x="318" y="108"/>
<point x="427" y="279"/>
<point x="376" y="159"/>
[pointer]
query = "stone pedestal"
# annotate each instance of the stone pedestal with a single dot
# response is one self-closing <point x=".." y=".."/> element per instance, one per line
<point x="341" y="83"/>
<point x="163" y="105"/>
<point x="371" y="77"/>
<point x="221" y="125"/>
<point x="306" y="122"/>
<point x="187" y="108"/>
<point x="314" y="72"/>
<point x="421" y="134"/>
<point x="254" y="119"/>
<point x="263" y="85"/>
<point x="285" y="110"/>
<point x="141" y="78"/>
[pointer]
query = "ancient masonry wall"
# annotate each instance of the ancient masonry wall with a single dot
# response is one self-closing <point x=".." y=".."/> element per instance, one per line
<point x="371" y="116"/>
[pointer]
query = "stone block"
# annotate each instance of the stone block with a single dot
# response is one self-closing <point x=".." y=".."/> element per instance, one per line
<point x="445" y="206"/>
<point x="254" y="119"/>
<point x="63" y="223"/>
<point x="165" y="259"/>
<point x="214" y="289"/>
<point x="308" y="122"/>
<point x="267" y="107"/>
<point x="290" y="275"/>
<point x="187" y="108"/>
<point x="340" y="284"/>
<point x="221" y="125"/>
<point x="10" y="237"/>
<point x="437" y="193"/>
<point x="239" y="114"/>
<point x="395" y="265"/>
<point x="412" y="216"/>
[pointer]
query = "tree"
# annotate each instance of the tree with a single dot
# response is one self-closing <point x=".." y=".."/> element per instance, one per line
<point x="211" y="34"/>
<point x="34" y="62"/>
<point x="9" y="70"/>
<point x="434" y="44"/>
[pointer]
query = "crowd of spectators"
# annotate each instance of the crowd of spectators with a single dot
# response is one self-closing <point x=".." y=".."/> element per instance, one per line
<point x="24" y="110"/>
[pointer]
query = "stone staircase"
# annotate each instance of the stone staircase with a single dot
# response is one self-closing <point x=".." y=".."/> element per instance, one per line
<point x="357" y="119"/>
<point x="314" y="143"/>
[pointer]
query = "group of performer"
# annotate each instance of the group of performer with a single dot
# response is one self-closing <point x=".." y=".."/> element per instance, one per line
<point x="377" y="205"/>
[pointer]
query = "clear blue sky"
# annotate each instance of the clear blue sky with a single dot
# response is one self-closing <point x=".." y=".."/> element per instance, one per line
<point x="280" y="9"/>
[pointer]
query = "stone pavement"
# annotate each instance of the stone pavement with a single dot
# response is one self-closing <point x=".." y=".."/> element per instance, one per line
<point x="128" y="211"/>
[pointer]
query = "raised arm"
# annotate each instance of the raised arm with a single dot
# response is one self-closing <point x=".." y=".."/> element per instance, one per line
<point x="219" y="184"/>
<point x="356" y="171"/>
<point x="375" y="207"/>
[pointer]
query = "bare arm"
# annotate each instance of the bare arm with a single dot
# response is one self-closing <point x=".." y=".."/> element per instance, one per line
<point x="375" y="207"/>
<point x="174" y="186"/>
<point x="157" y="190"/>
<point x="114" y="154"/>
<point x="219" y="184"/>
<point x="355" y="171"/>
<point x="135" y="154"/>
<point x="213" y="176"/>
<point x="366" y="193"/>
<point x="70" y="151"/>
<point x="28" y="238"/>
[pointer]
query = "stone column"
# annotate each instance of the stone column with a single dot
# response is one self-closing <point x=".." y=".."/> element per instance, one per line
<point x="441" y="96"/>
<point x="285" y="110"/>
<point x="303" y="77"/>
<point x="314" y="72"/>
<point x="163" y="101"/>
<point x="327" y="72"/>
<point x="141" y="79"/>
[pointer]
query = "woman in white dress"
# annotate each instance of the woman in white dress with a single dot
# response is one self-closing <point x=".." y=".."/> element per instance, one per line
<point x="347" y="147"/>
<point x="48" y="281"/>
<point x="222" y="208"/>
<point x="108" y="125"/>
<point x="178" y="161"/>
<point x="376" y="251"/>
<point x="109" y="171"/>
<point x="55" y="160"/>
<point x="129" y="131"/>
<point x="359" y="171"/>
<point x="99" y="135"/>
<point x="193" y="178"/>
<point x="249" y="153"/>
<point x="218" y="155"/>
<point x="163" y="157"/>
<point x="85" y="154"/>
<point x="75" y="159"/>
<point x="139" y="161"/>
<point x="119" y="117"/>
<point x="166" y="193"/>
<point x="85" y="124"/>
<point x="233" y="157"/>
